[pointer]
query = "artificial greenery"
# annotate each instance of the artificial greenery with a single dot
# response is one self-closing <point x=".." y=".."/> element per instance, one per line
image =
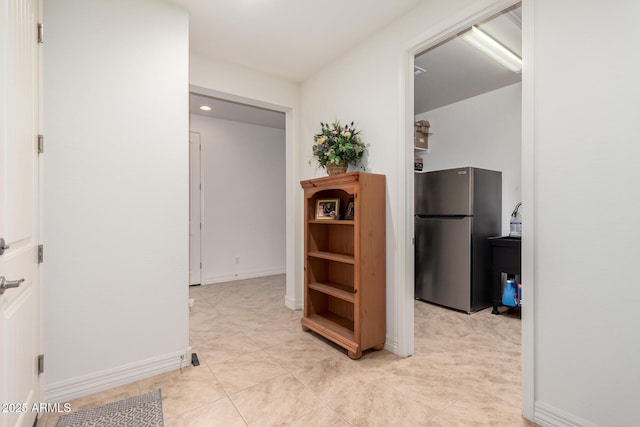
<point x="336" y="144"/>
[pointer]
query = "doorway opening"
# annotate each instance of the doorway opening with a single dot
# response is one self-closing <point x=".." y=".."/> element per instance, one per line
<point x="467" y="101"/>
<point x="442" y="159"/>
<point x="237" y="189"/>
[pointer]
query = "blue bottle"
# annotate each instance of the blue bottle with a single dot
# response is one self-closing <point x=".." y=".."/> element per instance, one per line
<point x="509" y="294"/>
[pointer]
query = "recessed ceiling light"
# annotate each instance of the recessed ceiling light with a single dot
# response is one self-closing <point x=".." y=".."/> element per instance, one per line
<point x="205" y="108"/>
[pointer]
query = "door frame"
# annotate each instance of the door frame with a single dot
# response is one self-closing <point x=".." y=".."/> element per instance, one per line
<point x="200" y="213"/>
<point x="29" y="249"/>
<point x="405" y="277"/>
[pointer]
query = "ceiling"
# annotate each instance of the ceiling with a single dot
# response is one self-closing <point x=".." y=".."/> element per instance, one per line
<point x="288" y="38"/>
<point x="294" y="38"/>
<point x="456" y="70"/>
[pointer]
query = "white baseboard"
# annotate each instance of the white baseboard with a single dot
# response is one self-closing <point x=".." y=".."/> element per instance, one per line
<point x="64" y="391"/>
<point x="391" y="344"/>
<point x="292" y="303"/>
<point x="240" y="276"/>
<point x="549" y="416"/>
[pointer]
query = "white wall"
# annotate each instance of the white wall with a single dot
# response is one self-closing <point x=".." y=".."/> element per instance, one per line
<point x="239" y="81"/>
<point x="583" y="162"/>
<point x="484" y="131"/>
<point x="363" y="86"/>
<point x="243" y="190"/>
<point x="233" y="82"/>
<point x="115" y="192"/>
<point x="586" y="172"/>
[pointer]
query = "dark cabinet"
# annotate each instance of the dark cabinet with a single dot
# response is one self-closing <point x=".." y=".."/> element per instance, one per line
<point x="506" y="262"/>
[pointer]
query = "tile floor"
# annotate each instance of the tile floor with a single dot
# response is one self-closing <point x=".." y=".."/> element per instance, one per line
<point x="259" y="369"/>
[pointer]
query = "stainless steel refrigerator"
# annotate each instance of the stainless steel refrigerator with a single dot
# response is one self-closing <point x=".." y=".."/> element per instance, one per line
<point x="456" y="210"/>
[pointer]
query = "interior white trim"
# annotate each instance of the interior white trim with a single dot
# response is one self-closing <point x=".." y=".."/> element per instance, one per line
<point x="529" y="213"/>
<point x="200" y="204"/>
<point x="404" y="255"/>
<point x="74" y="388"/>
<point x="549" y="416"/>
<point x="40" y="213"/>
<point x="391" y="345"/>
<point x="405" y="276"/>
<point x="249" y="275"/>
<point x="292" y="303"/>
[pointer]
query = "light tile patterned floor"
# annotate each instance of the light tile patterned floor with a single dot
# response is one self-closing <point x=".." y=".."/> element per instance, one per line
<point x="258" y="368"/>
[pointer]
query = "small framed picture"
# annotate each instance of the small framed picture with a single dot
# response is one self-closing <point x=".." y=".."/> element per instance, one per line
<point x="327" y="208"/>
<point x="348" y="214"/>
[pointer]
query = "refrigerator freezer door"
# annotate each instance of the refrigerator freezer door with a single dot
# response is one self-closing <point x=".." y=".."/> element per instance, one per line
<point x="443" y="261"/>
<point x="447" y="192"/>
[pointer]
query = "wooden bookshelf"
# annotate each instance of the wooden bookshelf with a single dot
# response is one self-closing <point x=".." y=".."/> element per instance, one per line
<point x="344" y="262"/>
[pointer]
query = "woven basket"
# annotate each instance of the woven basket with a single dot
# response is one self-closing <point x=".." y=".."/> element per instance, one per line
<point x="333" y="169"/>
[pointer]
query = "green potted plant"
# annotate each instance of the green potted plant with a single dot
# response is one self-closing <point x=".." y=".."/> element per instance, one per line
<point x="337" y="146"/>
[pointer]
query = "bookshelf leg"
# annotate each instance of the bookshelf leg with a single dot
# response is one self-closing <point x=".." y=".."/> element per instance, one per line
<point x="356" y="355"/>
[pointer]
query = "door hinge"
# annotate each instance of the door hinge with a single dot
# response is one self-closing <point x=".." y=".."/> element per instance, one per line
<point x="40" y="33"/>
<point x="40" y="144"/>
<point x="40" y="364"/>
<point x="40" y="254"/>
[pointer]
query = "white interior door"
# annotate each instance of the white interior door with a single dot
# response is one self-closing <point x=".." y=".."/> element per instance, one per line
<point x="19" y="123"/>
<point x="195" y="222"/>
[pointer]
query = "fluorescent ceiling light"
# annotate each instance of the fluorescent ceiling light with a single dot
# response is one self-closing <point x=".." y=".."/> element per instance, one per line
<point x="205" y="108"/>
<point x="490" y="47"/>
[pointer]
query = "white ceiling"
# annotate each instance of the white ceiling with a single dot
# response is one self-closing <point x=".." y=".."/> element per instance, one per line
<point x="288" y="38"/>
<point x="295" y="38"/>
<point x="456" y="70"/>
